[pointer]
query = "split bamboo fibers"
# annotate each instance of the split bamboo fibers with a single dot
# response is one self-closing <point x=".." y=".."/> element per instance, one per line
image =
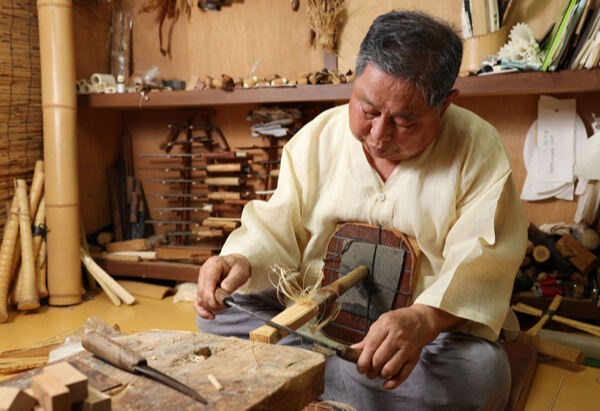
<point x="57" y="57"/>
<point x="20" y="96"/>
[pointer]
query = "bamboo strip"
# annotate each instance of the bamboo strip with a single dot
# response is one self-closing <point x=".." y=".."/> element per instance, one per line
<point x="104" y="277"/>
<point x="525" y="309"/>
<point x="26" y="295"/>
<point x="90" y="278"/>
<point x="37" y="187"/>
<point x="545" y="317"/>
<point x="40" y="270"/>
<point x="6" y="257"/>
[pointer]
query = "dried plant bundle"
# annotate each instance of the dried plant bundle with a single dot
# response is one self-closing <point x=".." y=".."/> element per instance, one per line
<point x="325" y="18"/>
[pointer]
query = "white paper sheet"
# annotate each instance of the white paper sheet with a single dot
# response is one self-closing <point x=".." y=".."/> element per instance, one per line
<point x="534" y="189"/>
<point x="555" y="140"/>
<point x="587" y="164"/>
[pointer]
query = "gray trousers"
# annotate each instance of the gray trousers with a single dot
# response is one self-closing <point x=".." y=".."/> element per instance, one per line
<point x="455" y="372"/>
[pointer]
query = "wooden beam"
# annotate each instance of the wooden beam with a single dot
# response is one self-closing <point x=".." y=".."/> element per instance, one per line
<point x="159" y="269"/>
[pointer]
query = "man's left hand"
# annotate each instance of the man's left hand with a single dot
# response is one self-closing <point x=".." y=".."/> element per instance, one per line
<point x="393" y="345"/>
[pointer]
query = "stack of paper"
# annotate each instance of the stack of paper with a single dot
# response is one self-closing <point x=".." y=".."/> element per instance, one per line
<point x="481" y="16"/>
<point x="587" y="52"/>
<point x="550" y="150"/>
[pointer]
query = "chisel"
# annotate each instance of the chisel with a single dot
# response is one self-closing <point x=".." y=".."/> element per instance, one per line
<point x="128" y="360"/>
<point x="343" y="351"/>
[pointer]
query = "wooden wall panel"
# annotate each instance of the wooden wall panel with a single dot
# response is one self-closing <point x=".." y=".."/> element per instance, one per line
<point x="228" y="41"/>
<point x="98" y="134"/>
<point x="360" y="14"/>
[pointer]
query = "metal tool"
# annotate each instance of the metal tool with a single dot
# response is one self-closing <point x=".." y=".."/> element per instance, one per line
<point x="128" y="360"/>
<point x="343" y="351"/>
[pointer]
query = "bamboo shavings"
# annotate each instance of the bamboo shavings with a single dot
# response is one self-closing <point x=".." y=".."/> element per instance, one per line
<point x="325" y="18"/>
<point x="289" y="286"/>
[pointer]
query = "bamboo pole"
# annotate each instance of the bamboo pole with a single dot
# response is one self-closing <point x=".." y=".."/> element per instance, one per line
<point x="59" y="106"/>
<point x="26" y="295"/>
<point x="6" y="257"/>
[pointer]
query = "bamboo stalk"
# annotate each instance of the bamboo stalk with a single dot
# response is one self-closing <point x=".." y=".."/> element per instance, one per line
<point x="525" y="309"/>
<point x="26" y="295"/>
<point x="38" y="240"/>
<point x="40" y="271"/>
<point x="55" y="19"/>
<point x="6" y="257"/>
<point x="37" y="188"/>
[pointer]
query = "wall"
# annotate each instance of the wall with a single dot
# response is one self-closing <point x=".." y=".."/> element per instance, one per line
<point x="231" y="40"/>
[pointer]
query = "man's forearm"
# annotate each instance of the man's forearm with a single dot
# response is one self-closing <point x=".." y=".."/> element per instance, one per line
<point x="436" y="320"/>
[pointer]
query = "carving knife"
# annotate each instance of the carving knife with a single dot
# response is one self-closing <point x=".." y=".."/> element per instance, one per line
<point x="128" y="360"/>
<point x="343" y="351"/>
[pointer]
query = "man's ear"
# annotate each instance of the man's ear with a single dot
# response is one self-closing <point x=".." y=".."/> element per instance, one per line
<point x="449" y="99"/>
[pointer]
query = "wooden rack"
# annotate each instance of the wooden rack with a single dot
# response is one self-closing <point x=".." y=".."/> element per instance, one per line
<point x="579" y="81"/>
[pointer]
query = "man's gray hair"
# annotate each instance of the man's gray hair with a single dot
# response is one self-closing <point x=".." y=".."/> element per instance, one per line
<point x="424" y="51"/>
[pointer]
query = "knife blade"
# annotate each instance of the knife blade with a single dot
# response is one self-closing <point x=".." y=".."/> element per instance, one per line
<point x="128" y="360"/>
<point x="343" y="351"/>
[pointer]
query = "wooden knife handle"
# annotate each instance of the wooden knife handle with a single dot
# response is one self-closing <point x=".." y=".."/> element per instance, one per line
<point x="111" y="352"/>
<point x="222" y="296"/>
<point x="350" y="354"/>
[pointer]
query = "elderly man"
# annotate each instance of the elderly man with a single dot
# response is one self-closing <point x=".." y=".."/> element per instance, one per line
<point x="401" y="156"/>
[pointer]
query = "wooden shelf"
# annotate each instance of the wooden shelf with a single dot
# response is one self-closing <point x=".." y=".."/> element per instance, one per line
<point x="580" y="81"/>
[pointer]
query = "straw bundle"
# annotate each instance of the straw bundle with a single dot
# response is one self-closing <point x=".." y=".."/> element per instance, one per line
<point x="325" y="17"/>
<point x="20" y="95"/>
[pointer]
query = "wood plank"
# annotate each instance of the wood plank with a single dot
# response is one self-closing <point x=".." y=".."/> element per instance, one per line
<point x="159" y="269"/>
<point x="253" y="375"/>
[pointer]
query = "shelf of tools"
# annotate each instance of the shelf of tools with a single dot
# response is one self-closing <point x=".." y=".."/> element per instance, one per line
<point x="201" y="184"/>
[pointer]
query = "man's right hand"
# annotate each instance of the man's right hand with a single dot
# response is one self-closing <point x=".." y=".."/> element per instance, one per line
<point x="229" y="272"/>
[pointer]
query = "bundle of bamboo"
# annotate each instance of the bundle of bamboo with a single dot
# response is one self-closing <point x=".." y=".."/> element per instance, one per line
<point x="19" y="252"/>
<point x="20" y="96"/>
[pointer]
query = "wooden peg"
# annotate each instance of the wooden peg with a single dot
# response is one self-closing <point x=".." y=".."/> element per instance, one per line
<point x="71" y="377"/>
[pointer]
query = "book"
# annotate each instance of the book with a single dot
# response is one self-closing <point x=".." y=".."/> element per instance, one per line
<point x="585" y="40"/>
<point x="557" y="34"/>
<point x="569" y="30"/>
<point x="480" y="17"/>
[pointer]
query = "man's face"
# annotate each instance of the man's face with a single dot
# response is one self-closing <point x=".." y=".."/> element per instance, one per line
<point x="391" y="120"/>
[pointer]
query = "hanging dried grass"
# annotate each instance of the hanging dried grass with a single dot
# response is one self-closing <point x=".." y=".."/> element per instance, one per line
<point x="325" y="18"/>
<point x="290" y="285"/>
<point x="171" y="10"/>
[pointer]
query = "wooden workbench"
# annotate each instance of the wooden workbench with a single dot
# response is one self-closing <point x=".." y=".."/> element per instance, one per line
<point x="254" y="375"/>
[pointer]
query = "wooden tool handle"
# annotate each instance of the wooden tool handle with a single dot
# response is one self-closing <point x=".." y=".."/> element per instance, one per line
<point x="224" y="168"/>
<point x="350" y="354"/>
<point x="223" y="181"/>
<point x="224" y="195"/>
<point x="222" y="296"/>
<point x="111" y="352"/>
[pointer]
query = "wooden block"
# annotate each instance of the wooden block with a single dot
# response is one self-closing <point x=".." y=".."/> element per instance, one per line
<point x="51" y="394"/>
<point x="14" y="399"/>
<point x="552" y="349"/>
<point x="75" y="381"/>
<point x="577" y="254"/>
<point x="95" y="401"/>
<point x="138" y="244"/>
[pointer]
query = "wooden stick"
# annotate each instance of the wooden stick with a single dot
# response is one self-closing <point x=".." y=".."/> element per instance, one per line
<point x="298" y="314"/>
<point x="552" y="307"/>
<point x="99" y="273"/>
<point x="37" y="187"/>
<point x="40" y="267"/>
<point x="6" y="257"/>
<point x="552" y="349"/>
<point x="27" y="297"/>
<point x="525" y="309"/>
<point x="38" y="241"/>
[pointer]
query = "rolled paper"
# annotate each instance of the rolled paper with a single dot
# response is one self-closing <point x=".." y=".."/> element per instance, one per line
<point x="101" y="78"/>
